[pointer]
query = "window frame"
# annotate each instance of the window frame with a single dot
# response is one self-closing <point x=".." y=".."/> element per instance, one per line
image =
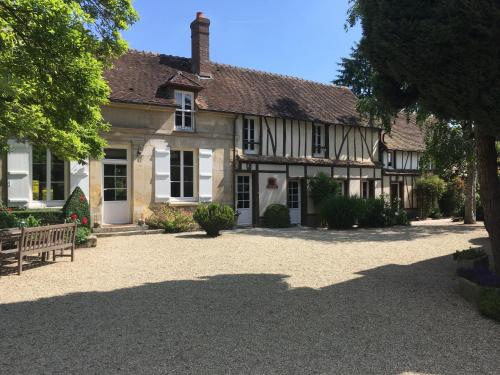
<point x="249" y="143"/>
<point x="370" y="183"/>
<point x="182" y="198"/>
<point x="49" y="202"/>
<point x="389" y="159"/>
<point x="183" y="111"/>
<point x="317" y="140"/>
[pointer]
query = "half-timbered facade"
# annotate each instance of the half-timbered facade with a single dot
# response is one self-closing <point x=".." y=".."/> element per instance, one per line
<point x="188" y="130"/>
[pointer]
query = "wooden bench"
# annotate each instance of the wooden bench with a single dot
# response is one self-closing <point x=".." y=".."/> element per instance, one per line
<point x="42" y="240"/>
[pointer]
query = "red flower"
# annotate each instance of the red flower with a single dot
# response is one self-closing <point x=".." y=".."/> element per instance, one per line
<point x="84" y="220"/>
<point x="9" y="209"/>
<point x="82" y="198"/>
<point x="74" y="216"/>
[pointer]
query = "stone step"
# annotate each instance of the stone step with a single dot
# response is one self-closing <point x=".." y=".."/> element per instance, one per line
<point x="129" y="233"/>
<point x="120" y="228"/>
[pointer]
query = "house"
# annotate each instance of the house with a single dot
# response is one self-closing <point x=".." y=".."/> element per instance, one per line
<point x="188" y="130"/>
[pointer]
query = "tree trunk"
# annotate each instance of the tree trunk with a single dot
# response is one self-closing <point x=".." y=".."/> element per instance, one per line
<point x="470" y="194"/>
<point x="490" y="190"/>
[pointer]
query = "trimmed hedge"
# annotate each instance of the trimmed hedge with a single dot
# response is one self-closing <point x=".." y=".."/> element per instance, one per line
<point x="172" y="220"/>
<point x="276" y="216"/>
<point x="214" y="217"/>
<point x="46" y="216"/>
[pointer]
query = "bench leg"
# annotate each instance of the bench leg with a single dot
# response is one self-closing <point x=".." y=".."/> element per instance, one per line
<point x="20" y="264"/>
<point x="73" y="253"/>
<point x="54" y="255"/>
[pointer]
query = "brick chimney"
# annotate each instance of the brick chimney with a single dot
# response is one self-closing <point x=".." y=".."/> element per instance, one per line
<point x="199" y="45"/>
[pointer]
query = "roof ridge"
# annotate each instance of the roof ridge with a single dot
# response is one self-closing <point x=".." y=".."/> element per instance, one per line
<point x="151" y="53"/>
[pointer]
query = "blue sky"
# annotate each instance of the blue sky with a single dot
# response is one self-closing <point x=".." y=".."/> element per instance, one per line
<point x="292" y="37"/>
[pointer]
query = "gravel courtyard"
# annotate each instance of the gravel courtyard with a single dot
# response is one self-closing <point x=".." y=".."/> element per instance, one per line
<point x="252" y="301"/>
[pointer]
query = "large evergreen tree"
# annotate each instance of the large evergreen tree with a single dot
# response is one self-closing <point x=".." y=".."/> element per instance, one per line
<point x="52" y="56"/>
<point x="441" y="57"/>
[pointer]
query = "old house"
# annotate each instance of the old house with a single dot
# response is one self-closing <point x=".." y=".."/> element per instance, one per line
<point x="188" y="130"/>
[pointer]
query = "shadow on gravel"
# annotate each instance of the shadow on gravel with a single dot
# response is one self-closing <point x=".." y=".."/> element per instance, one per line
<point x="398" y="233"/>
<point x="389" y="320"/>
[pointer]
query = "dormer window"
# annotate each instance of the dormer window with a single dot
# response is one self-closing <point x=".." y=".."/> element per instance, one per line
<point x="317" y="140"/>
<point x="184" y="113"/>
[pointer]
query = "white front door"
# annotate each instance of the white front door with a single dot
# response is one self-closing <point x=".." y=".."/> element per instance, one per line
<point x="294" y="201"/>
<point x="244" y="199"/>
<point x="116" y="194"/>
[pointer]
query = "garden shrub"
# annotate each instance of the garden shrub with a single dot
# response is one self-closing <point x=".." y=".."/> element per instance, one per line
<point x="7" y="218"/>
<point x="77" y="208"/>
<point x="429" y="189"/>
<point x="340" y="212"/>
<point x="322" y="187"/>
<point x="435" y="213"/>
<point x="372" y="213"/>
<point x="276" y="216"/>
<point x="82" y="233"/>
<point x="453" y="198"/>
<point x="171" y="219"/>
<point x="46" y="216"/>
<point x="214" y="217"/>
<point x="489" y="303"/>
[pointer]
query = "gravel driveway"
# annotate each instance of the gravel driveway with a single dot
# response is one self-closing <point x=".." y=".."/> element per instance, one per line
<point x="253" y="301"/>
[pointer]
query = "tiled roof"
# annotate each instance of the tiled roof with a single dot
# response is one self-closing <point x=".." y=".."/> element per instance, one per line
<point x="405" y="134"/>
<point x="140" y="77"/>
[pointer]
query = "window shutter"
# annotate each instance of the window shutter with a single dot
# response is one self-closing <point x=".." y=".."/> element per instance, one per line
<point x="18" y="173"/>
<point x="79" y="176"/>
<point x="162" y="174"/>
<point x="205" y="165"/>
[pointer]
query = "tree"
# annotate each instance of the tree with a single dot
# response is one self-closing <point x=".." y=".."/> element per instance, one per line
<point x="52" y="56"/>
<point x="442" y="57"/>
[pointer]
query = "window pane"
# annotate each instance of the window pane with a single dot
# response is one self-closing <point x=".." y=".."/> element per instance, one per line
<point x="188" y="158"/>
<point x="187" y="119"/>
<point x="39" y="155"/>
<point x="178" y="99"/>
<point x="121" y="194"/>
<point x="175" y="173"/>
<point x="187" y="102"/>
<point x="175" y="158"/>
<point x="109" y="169"/>
<point x="109" y="182"/>
<point x="188" y="189"/>
<point x="178" y="119"/>
<point x="120" y="170"/>
<point x="109" y="195"/>
<point x="188" y="174"/>
<point x="58" y="191"/>
<point x="175" y="188"/>
<point x="57" y="170"/>
<point x="115" y="153"/>
<point x="121" y="182"/>
<point x="39" y="174"/>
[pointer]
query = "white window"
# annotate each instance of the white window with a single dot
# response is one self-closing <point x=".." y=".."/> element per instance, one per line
<point x="249" y="136"/>
<point x="184" y="113"/>
<point x="47" y="179"/>
<point x="317" y="137"/>
<point x="182" y="174"/>
<point x="389" y="159"/>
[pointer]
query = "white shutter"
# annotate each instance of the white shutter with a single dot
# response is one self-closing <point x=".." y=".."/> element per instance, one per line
<point x="79" y="176"/>
<point x="162" y="174"/>
<point x="18" y="173"/>
<point x="205" y="165"/>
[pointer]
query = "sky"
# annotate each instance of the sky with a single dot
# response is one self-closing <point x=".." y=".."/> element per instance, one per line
<point x="299" y="38"/>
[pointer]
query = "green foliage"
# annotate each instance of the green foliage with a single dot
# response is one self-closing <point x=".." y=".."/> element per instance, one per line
<point x="321" y="187"/>
<point x="340" y="212"/>
<point x="46" y="216"/>
<point x="489" y="303"/>
<point x="31" y="221"/>
<point x="429" y="189"/>
<point x="52" y="57"/>
<point x="214" y="217"/>
<point x="77" y="208"/>
<point x="372" y="213"/>
<point x="451" y="203"/>
<point x="469" y="254"/>
<point x="81" y="235"/>
<point x="7" y="219"/>
<point x="171" y="219"/>
<point x="276" y="216"/>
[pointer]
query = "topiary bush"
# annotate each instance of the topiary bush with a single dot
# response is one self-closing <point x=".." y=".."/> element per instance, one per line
<point x="214" y="217"/>
<point x="77" y="208"/>
<point x="276" y="216"/>
<point x="340" y="212"/>
<point x="321" y="187"/>
<point x="172" y="220"/>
